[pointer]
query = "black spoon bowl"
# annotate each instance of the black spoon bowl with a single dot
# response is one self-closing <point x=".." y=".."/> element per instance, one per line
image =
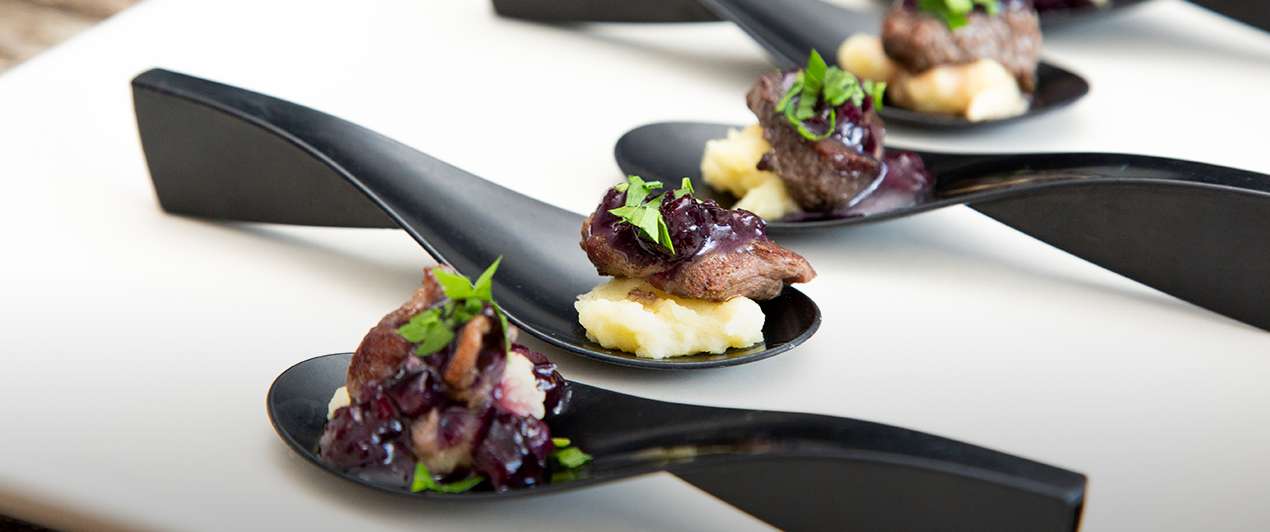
<point x="794" y="471"/>
<point x="1193" y="230"/>
<point x="790" y="29"/>
<point x="221" y="152"/>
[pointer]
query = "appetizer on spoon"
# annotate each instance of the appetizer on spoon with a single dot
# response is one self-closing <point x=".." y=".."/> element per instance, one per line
<point x="952" y="64"/>
<point x="221" y="152"/>
<point x="817" y="151"/>
<point x="687" y="272"/>
<point x="1189" y="229"/>
<point x="439" y="402"/>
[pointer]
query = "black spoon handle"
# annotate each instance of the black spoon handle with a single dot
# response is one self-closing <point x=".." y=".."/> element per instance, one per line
<point x="811" y="472"/>
<point x="1252" y="13"/>
<point x="223" y="152"/>
<point x="605" y="10"/>
<point x="1189" y="229"/>
<point x="789" y="28"/>
<point x="1255" y="14"/>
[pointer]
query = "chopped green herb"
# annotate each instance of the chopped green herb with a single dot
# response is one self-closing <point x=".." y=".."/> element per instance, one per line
<point x="645" y="216"/>
<point x="685" y="188"/>
<point x="833" y="85"/>
<point x="877" y="90"/>
<point x="455" y="285"/>
<point x="484" y="287"/>
<point x="956" y="13"/>
<point x="423" y="481"/>
<point x="434" y="328"/>
<point x="561" y="442"/>
<point x="571" y="457"/>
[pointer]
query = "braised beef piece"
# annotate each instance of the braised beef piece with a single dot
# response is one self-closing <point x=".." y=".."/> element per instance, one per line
<point x="920" y="41"/>
<point x="383" y="350"/>
<point x="445" y="410"/>
<point x="824" y="175"/>
<point x="719" y="253"/>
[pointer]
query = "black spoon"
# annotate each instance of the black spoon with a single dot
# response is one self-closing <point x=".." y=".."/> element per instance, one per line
<point x="790" y="29"/>
<point x="1193" y="230"/>
<point x="794" y="471"/>
<point x="1250" y="13"/>
<point x="222" y="152"/>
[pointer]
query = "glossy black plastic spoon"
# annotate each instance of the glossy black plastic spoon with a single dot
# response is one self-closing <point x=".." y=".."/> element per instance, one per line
<point x="790" y="29"/>
<point x="1250" y="13"/>
<point x="221" y="152"/>
<point x="1193" y="230"/>
<point x="794" y="471"/>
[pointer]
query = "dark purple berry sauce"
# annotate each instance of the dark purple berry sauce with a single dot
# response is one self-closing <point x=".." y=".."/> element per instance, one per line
<point x="372" y="436"/>
<point x="697" y="227"/>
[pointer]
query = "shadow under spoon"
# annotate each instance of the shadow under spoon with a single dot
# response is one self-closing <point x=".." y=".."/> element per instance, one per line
<point x="1192" y="230"/>
<point x="794" y="471"/>
<point x="221" y="152"/>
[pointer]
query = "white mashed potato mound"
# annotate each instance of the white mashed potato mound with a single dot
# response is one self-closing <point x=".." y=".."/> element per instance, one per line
<point x="631" y="315"/>
<point x="729" y="164"/>
<point x="981" y="90"/>
<point x="339" y="400"/>
<point x="519" y="386"/>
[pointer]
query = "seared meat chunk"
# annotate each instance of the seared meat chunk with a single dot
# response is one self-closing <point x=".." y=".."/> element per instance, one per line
<point x="919" y="41"/>
<point x="824" y="175"/>
<point x="382" y="351"/>
<point x="719" y="254"/>
<point x="459" y="409"/>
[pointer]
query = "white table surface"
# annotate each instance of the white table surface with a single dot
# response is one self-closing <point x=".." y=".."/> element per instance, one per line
<point x="138" y="346"/>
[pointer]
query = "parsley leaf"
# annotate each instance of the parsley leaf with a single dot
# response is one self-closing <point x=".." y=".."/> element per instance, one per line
<point x="956" y="13"/>
<point x="439" y="336"/>
<point x="423" y="481"/>
<point x="571" y="457"/>
<point x="455" y="285"/>
<point x="645" y="216"/>
<point x="685" y="188"/>
<point x="484" y="287"/>
<point x="834" y="86"/>
<point x="415" y="330"/>
<point x="433" y="329"/>
<point x="877" y="90"/>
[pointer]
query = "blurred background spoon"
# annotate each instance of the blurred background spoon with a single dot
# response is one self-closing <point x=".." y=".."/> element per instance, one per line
<point x="790" y="29"/>
<point x="1252" y="13"/>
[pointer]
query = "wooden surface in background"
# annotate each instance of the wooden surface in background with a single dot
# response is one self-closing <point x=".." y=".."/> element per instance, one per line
<point x="27" y="27"/>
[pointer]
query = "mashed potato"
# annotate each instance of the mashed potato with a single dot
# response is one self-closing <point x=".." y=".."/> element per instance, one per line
<point x="729" y="164"/>
<point x="338" y="401"/>
<point x="980" y="90"/>
<point x="631" y="315"/>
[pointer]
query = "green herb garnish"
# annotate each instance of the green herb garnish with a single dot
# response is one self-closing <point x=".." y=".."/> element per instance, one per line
<point x="433" y="329"/>
<point x="956" y="13"/>
<point x="645" y="216"/>
<point x="561" y="442"/>
<point x="571" y="457"/>
<point x="833" y="85"/>
<point x="685" y="188"/>
<point x="423" y="481"/>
